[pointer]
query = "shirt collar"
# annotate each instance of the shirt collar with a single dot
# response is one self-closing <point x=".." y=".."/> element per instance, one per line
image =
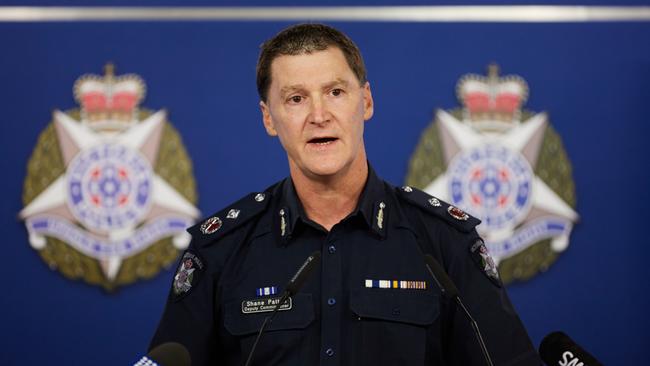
<point x="372" y="208"/>
<point x="373" y="205"/>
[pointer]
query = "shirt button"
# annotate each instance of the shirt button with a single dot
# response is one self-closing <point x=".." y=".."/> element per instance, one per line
<point x="331" y="249"/>
<point x="331" y="301"/>
<point x="329" y="352"/>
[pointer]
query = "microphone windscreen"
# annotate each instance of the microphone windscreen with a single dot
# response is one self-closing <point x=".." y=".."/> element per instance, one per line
<point x="170" y="354"/>
<point x="303" y="272"/>
<point x="441" y="276"/>
<point x="558" y="349"/>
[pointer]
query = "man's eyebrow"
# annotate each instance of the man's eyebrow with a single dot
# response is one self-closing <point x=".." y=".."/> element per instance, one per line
<point x="338" y="81"/>
<point x="291" y="88"/>
<point x="295" y="87"/>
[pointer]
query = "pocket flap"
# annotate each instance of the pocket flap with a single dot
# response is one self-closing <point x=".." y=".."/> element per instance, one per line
<point x="406" y="306"/>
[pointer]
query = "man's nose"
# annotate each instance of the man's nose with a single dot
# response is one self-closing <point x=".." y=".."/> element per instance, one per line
<point x="318" y="113"/>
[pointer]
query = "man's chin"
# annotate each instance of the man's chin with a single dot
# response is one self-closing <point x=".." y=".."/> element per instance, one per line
<point x="323" y="170"/>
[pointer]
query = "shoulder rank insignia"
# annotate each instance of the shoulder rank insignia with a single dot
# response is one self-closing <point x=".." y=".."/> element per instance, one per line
<point x="450" y="214"/>
<point x="229" y="218"/>
<point x="484" y="261"/>
<point x="211" y="225"/>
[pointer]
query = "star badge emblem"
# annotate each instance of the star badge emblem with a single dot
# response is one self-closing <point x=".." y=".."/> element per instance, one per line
<point x="109" y="184"/>
<point x="505" y="166"/>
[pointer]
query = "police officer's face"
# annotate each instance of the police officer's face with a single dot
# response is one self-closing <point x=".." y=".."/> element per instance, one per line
<point x="317" y="108"/>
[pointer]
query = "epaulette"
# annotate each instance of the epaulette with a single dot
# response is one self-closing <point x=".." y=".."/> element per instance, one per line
<point x="449" y="213"/>
<point x="230" y="218"/>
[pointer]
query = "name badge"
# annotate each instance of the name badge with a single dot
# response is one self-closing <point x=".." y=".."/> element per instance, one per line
<point x="265" y="305"/>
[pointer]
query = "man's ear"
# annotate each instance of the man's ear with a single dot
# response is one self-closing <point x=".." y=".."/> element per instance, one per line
<point x="267" y="119"/>
<point x="368" y="103"/>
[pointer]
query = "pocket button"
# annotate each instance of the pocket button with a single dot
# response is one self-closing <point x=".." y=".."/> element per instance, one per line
<point x="396" y="311"/>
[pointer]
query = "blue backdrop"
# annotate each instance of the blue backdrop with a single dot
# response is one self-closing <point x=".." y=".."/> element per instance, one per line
<point x="593" y="79"/>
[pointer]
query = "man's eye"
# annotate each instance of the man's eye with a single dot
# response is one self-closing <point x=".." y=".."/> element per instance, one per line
<point x="337" y="92"/>
<point x="295" y="99"/>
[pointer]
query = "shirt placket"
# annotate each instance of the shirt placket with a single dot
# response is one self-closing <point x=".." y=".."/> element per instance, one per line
<point x="331" y="292"/>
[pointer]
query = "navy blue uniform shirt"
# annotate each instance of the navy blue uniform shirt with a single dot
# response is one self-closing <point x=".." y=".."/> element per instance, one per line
<point x="371" y="302"/>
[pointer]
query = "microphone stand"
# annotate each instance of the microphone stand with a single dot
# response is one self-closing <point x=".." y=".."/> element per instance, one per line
<point x="477" y="332"/>
<point x="448" y="289"/>
<point x="267" y="321"/>
<point x="292" y="288"/>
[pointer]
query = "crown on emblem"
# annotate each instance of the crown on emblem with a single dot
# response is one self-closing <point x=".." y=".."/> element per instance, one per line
<point x="492" y="102"/>
<point x="108" y="102"/>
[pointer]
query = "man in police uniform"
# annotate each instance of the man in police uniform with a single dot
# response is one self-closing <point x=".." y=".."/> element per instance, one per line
<point x="372" y="301"/>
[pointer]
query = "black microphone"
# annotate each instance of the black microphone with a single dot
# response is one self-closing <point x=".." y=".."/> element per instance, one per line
<point x="166" y="354"/>
<point x="440" y="276"/>
<point x="294" y="285"/>
<point x="448" y="288"/>
<point x="558" y="349"/>
<point x="296" y="282"/>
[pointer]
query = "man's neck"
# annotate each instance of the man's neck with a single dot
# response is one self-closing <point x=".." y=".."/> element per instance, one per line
<point x="328" y="200"/>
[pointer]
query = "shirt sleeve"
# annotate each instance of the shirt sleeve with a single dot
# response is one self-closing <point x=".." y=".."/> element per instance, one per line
<point x="189" y="315"/>
<point x="469" y="266"/>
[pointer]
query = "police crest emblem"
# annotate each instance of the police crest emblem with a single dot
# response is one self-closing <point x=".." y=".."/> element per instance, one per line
<point x="109" y="189"/>
<point x="187" y="274"/>
<point x="504" y="165"/>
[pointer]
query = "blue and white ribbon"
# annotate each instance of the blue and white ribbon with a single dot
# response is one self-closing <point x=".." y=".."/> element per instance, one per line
<point x="266" y="291"/>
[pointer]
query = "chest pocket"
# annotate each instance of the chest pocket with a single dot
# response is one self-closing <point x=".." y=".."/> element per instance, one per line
<point x="281" y="338"/>
<point x="393" y="319"/>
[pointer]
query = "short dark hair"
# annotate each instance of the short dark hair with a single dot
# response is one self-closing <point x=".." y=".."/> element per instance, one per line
<point x="305" y="38"/>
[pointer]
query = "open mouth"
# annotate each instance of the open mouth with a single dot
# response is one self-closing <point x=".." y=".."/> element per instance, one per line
<point x="322" y="140"/>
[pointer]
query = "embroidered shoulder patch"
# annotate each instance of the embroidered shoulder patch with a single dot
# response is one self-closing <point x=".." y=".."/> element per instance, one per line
<point x="484" y="261"/>
<point x="187" y="276"/>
